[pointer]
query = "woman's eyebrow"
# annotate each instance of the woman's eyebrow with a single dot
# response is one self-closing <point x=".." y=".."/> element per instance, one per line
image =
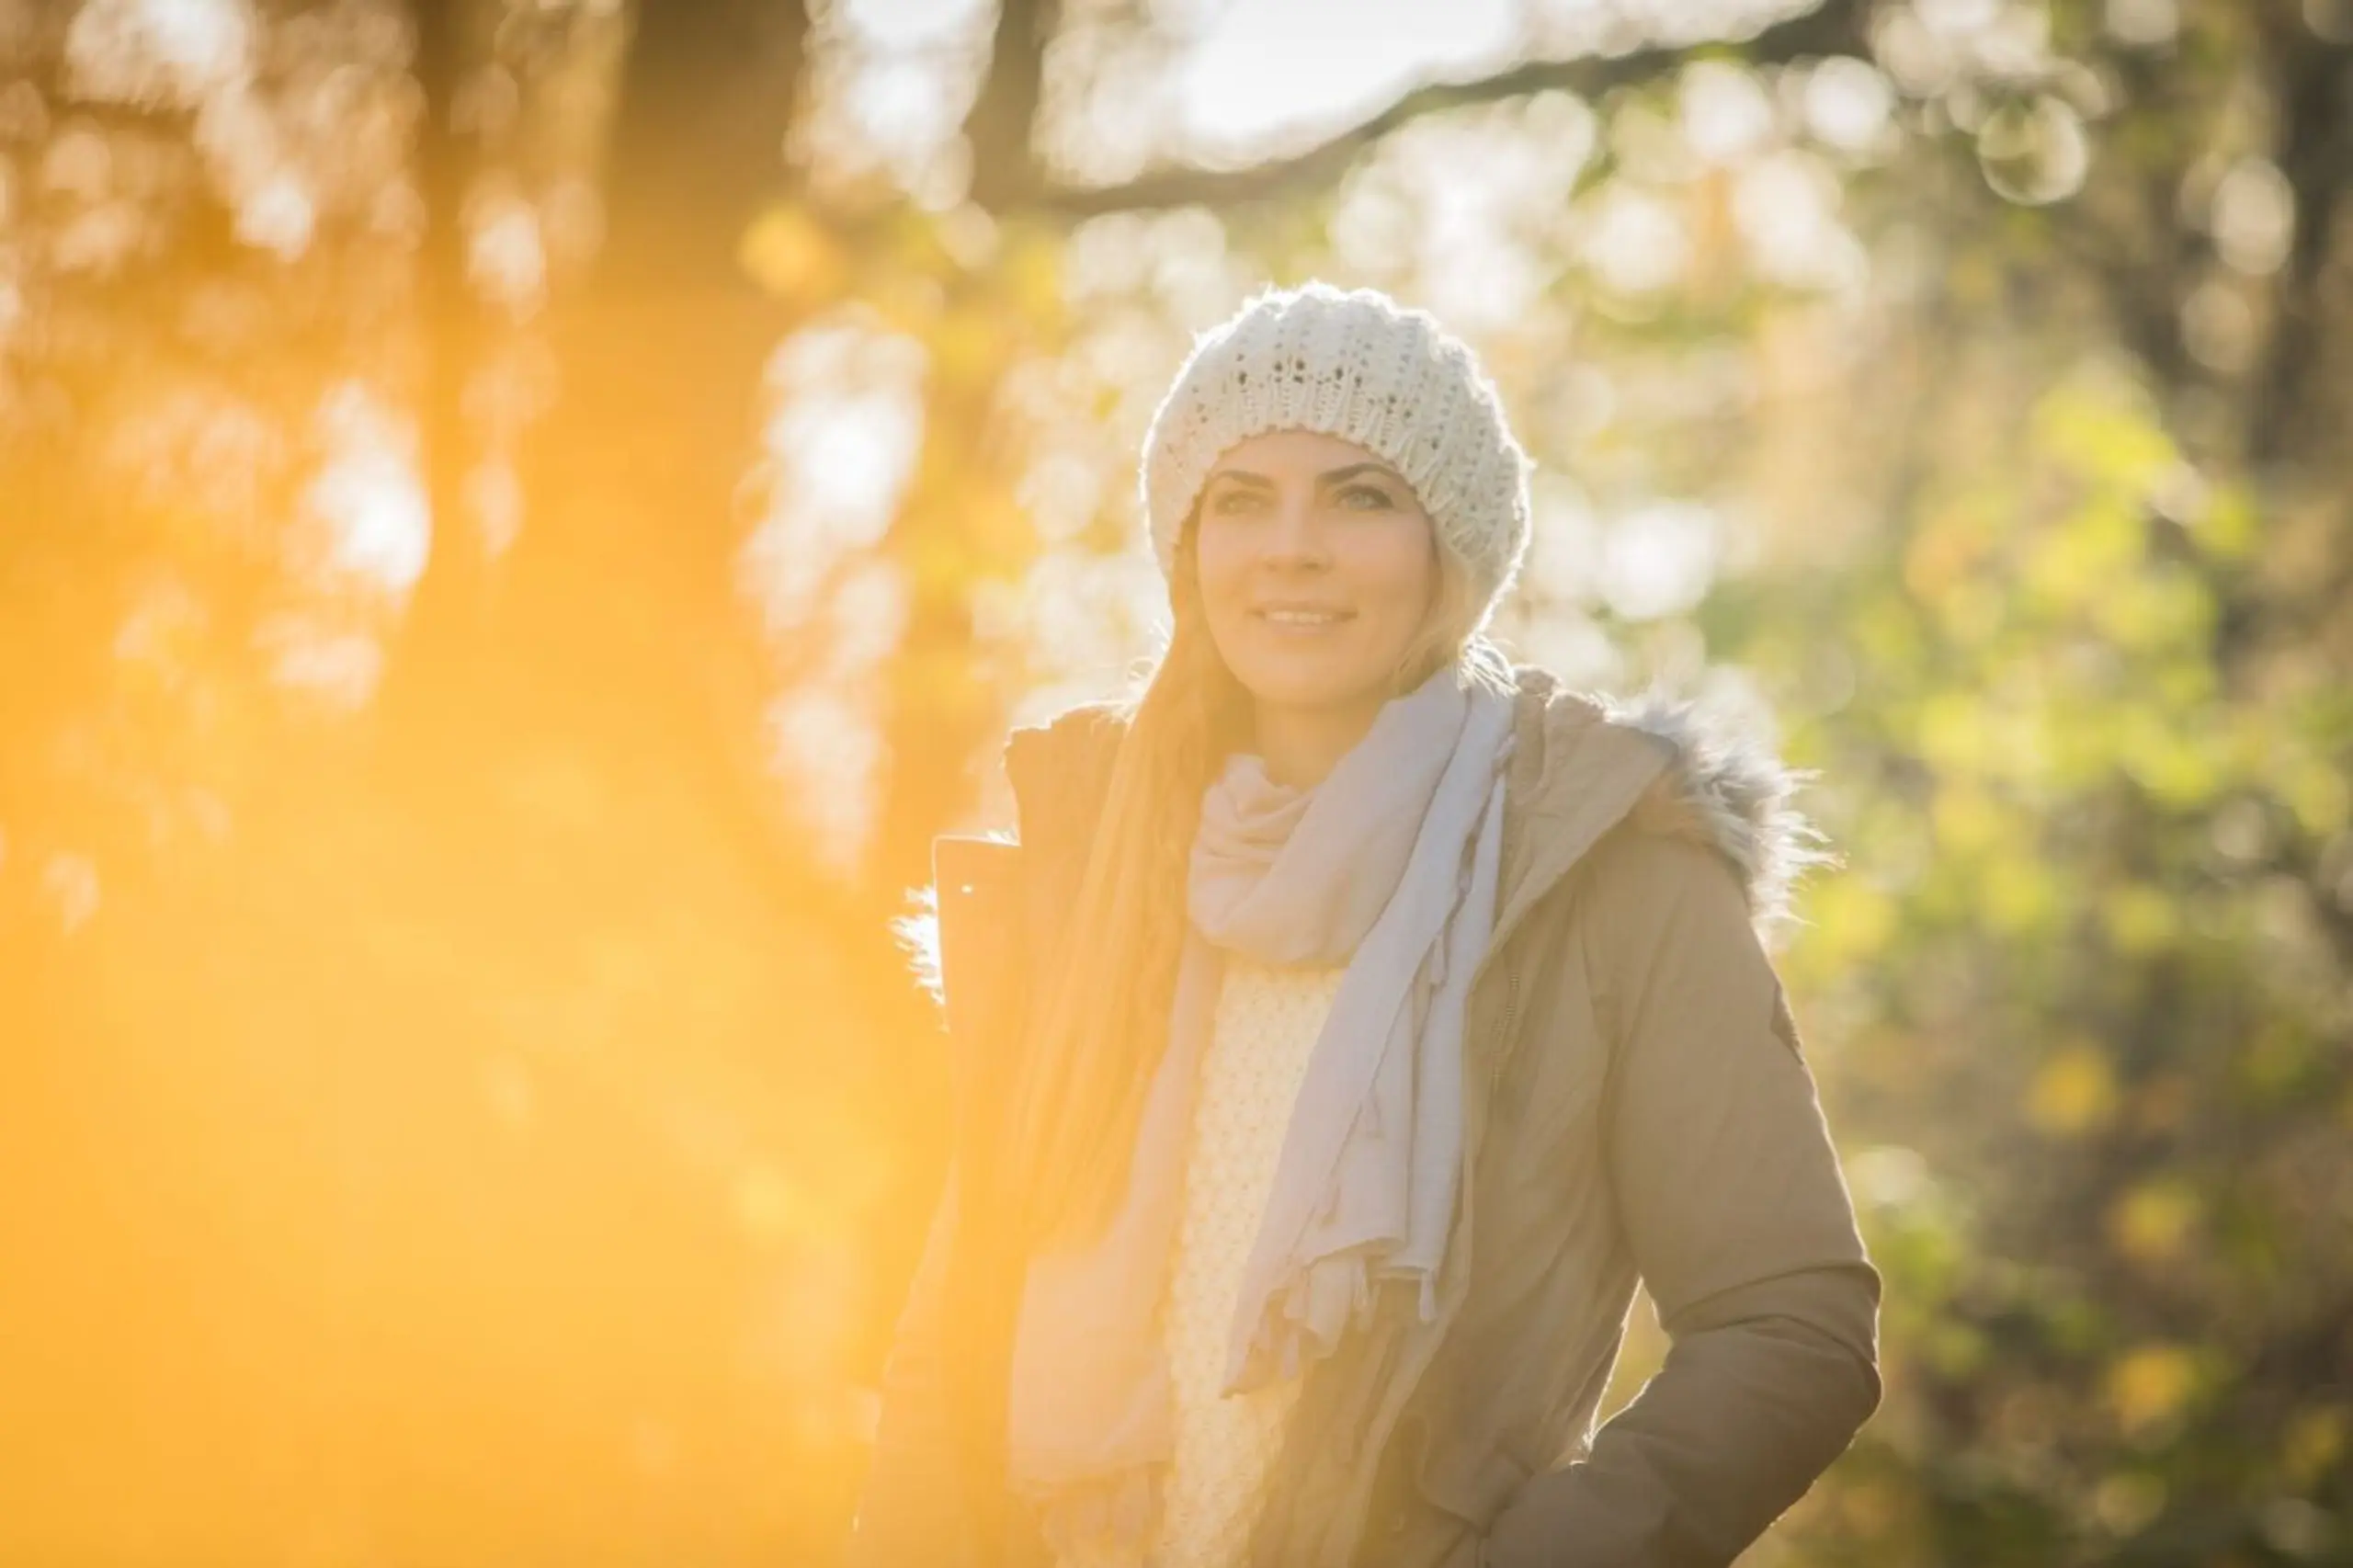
<point x="1342" y="475"/>
<point x="1336" y="476"/>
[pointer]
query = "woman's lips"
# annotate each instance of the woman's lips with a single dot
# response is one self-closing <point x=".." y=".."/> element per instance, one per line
<point x="1302" y="619"/>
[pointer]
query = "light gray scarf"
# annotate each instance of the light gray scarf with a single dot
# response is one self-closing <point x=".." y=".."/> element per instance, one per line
<point x="1390" y="865"/>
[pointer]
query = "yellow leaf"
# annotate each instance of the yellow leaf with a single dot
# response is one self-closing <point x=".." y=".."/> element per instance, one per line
<point x="2314" y="1443"/>
<point x="2229" y="524"/>
<point x="2140" y="918"/>
<point x="1854" y="917"/>
<point x="2073" y="1094"/>
<point x="2152" y="1222"/>
<point x="2151" y="1383"/>
<point x="2320" y="797"/>
<point x="792" y="255"/>
<point x="2125" y="1503"/>
<point x="1969" y="823"/>
<point x="2018" y="895"/>
<point x="969" y="347"/>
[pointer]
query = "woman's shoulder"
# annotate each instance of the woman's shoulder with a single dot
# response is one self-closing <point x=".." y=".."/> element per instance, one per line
<point x="1059" y="764"/>
<point x="1723" y="810"/>
<point x="1078" y="737"/>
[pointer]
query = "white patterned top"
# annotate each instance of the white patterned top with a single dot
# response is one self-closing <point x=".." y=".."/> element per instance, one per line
<point x="1266" y="1022"/>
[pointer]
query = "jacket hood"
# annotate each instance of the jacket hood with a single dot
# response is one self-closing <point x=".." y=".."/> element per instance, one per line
<point x="1727" y="789"/>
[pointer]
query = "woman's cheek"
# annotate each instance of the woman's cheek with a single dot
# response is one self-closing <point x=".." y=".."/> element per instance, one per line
<point x="1401" y="577"/>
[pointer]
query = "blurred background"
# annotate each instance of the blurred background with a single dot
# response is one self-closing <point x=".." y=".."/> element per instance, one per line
<point x="520" y="519"/>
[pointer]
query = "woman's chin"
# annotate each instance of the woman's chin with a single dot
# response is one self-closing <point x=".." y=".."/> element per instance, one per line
<point x="1310" y="690"/>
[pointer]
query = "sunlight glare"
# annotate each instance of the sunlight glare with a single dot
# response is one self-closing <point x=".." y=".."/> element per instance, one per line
<point x="336" y="668"/>
<point x="70" y="882"/>
<point x="847" y="459"/>
<point x="2254" y="217"/>
<point x="1726" y="113"/>
<point x="1565" y="544"/>
<point x="912" y="24"/>
<point x="904" y="108"/>
<point x="279" y="216"/>
<point x="868" y="612"/>
<point x="1088" y="611"/>
<point x="850" y="450"/>
<point x="1635" y="240"/>
<point x="1658" y="559"/>
<point x="2144" y="24"/>
<point x="1276" y="66"/>
<point x="1474" y="183"/>
<point x="2034" y="153"/>
<point x="1573" y="647"/>
<point x="378" y="522"/>
<point x="842" y="439"/>
<point x="1787" y="210"/>
<point x="159" y="53"/>
<point x="1848" y="104"/>
<point x="505" y="256"/>
<point x="829" y="752"/>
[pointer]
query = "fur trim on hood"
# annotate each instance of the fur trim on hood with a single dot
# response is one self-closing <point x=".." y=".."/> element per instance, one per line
<point x="1725" y="789"/>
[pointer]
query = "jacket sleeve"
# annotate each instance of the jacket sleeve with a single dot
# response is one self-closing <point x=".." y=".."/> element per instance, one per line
<point x="1740" y="1223"/>
<point x="917" y="1509"/>
<point x="910" y="1512"/>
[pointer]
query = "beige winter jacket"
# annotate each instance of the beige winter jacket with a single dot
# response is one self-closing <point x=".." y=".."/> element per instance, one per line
<point x="1639" y="1108"/>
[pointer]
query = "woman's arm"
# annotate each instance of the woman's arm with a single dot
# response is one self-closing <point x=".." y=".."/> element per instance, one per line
<point x="920" y="1505"/>
<point x="910" y="1512"/>
<point x="1741" y="1227"/>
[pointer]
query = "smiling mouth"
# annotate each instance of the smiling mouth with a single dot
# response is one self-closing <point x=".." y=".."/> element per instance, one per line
<point x="1304" y="619"/>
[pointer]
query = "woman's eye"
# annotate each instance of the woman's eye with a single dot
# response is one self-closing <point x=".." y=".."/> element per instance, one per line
<point x="1366" y="498"/>
<point x="1232" y="503"/>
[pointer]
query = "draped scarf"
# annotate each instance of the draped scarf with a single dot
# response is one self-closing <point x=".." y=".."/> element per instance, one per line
<point x="1389" y="865"/>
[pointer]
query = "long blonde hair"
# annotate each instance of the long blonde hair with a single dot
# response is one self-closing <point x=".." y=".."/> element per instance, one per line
<point x="1101" y="1019"/>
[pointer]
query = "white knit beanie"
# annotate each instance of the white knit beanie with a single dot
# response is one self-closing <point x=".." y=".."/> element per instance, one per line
<point x="1357" y="365"/>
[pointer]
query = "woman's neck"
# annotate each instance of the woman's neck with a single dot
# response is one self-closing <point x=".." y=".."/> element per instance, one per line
<point x="1300" y="745"/>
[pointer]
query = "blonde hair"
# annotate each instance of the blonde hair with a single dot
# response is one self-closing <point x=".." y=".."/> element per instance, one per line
<point x="1101" y="1019"/>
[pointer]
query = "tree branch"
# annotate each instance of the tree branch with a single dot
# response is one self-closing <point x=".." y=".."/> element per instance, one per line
<point x="2313" y="97"/>
<point x="707" y="92"/>
<point x="1834" y="27"/>
<point x="1007" y="107"/>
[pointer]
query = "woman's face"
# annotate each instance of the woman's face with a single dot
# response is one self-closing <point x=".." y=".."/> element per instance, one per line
<point x="1317" y="567"/>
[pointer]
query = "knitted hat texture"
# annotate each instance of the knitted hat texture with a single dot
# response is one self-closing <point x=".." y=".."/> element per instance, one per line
<point x="1357" y="365"/>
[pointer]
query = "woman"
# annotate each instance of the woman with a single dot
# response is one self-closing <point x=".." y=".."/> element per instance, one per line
<point x="1355" y="1021"/>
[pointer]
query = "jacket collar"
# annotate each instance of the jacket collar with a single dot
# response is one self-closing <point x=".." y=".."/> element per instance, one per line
<point x="1582" y="765"/>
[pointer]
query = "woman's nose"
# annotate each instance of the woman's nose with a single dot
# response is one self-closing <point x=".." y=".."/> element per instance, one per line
<point x="1297" y="538"/>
